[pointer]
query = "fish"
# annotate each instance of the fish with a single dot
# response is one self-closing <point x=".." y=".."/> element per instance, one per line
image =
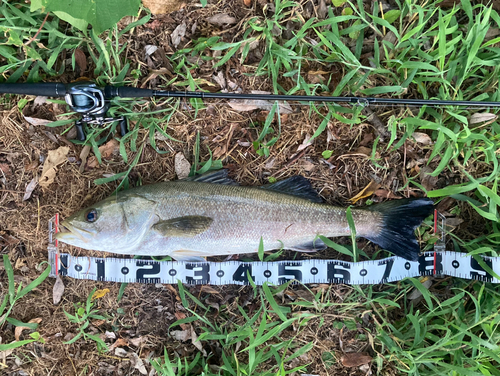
<point x="211" y="215"/>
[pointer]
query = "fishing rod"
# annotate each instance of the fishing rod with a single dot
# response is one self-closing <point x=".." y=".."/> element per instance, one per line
<point x="93" y="102"/>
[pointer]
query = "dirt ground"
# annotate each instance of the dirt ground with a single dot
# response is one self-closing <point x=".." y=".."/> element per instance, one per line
<point x="142" y="318"/>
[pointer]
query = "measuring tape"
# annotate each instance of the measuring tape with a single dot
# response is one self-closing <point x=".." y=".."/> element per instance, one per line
<point x="436" y="263"/>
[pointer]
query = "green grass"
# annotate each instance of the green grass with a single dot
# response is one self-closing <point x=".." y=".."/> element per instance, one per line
<point x="419" y="51"/>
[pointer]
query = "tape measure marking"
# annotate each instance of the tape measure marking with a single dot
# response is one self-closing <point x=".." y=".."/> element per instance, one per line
<point x="306" y="271"/>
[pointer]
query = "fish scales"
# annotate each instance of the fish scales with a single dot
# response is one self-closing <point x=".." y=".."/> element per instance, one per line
<point x="242" y="215"/>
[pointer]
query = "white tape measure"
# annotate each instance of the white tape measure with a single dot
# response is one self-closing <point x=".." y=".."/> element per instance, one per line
<point x="437" y="263"/>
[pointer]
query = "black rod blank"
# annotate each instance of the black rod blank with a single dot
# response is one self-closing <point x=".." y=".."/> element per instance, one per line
<point x="60" y="89"/>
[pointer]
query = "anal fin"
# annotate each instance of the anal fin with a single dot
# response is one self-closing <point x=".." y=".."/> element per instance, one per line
<point x="312" y="246"/>
<point x="186" y="256"/>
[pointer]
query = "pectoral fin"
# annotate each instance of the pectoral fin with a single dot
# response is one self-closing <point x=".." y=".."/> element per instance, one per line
<point x="187" y="226"/>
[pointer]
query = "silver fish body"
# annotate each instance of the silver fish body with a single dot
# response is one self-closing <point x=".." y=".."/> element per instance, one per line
<point x="192" y="219"/>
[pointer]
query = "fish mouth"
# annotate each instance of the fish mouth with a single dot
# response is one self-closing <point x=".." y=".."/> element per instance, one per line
<point x="66" y="232"/>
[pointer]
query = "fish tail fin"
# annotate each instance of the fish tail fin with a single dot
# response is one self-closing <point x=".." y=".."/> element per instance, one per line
<point x="400" y="218"/>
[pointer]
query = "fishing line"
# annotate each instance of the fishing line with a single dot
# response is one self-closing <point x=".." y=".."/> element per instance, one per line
<point x="437" y="263"/>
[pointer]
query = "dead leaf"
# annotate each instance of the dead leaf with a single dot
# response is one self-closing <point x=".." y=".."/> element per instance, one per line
<point x="109" y="148"/>
<point x="178" y="34"/>
<point x="137" y="341"/>
<point x="83" y="157"/>
<point x="415" y="294"/>
<point x="209" y="290"/>
<point x="163" y="6"/>
<point x="221" y="19"/>
<point x="182" y="166"/>
<point x="384" y="193"/>
<point x="120" y="342"/>
<point x="180" y="316"/>
<point x="305" y="143"/>
<point x="422" y="138"/>
<point x="54" y="159"/>
<point x="99" y="294"/>
<point x="355" y="359"/>
<point x="316" y="77"/>
<point x="80" y="60"/>
<point x="137" y="363"/>
<point x="5" y="169"/>
<point x="428" y="181"/>
<point x="33" y="165"/>
<point x="219" y="78"/>
<point x="150" y="49"/>
<point x="36" y="121"/>
<point x="39" y="100"/>
<point x="19" y="329"/>
<point x="244" y="105"/>
<point x="196" y="343"/>
<point x="58" y="290"/>
<point x="366" y="192"/>
<point x="122" y="353"/>
<point x="454" y="222"/>
<point x="363" y="150"/>
<point x="181" y="335"/>
<point x="110" y="335"/>
<point x="482" y="117"/>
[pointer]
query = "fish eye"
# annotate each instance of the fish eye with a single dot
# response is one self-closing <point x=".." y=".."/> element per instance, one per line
<point x="91" y="215"/>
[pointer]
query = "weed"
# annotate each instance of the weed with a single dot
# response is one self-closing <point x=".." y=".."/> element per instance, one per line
<point x="83" y="314"/>
<point x="11" y="298"/>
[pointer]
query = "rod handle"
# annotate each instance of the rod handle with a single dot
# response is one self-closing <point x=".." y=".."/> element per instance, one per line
<point x="48" y="89"/>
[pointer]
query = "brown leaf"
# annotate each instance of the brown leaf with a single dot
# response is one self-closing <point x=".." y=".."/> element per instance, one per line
<point x="355" y="359"/>
<point x="36" y="121"/>
<point x="33" y="165"/>
<point x="5" y="169"/>
<point x="305" y="143"/>
<point x="482" y="117"/>
<point x="58" y="290"/>
<point x="366" y="192"/>
<point x="180" y="316"/>
<point x="30" y="188"/>
<point x="221" y="19"/>
<point x="181" y="335"/>
<point x="178" y="34"/>
<point x="120" y="342"/>
<point x="428" y="181"/>
<point x="384" y="193"/>
<point x="363" y="150"/>
<point x="422" y="138"/>
<point x="209" y="290"/>
<point x="83" y="157"/>
<point x="54" y="159"/>
<point x="109" y="148"/>
<point x="80" y="60"/>
<point x="316" y="77"/>
<point x="182" y="166"/>
<point x="163" y="6"/>
<point x="19" y="329"/>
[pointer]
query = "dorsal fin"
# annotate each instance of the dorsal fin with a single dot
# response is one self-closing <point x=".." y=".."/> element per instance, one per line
<point x="297" y="186"/>
<point x="213" y="177"/>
